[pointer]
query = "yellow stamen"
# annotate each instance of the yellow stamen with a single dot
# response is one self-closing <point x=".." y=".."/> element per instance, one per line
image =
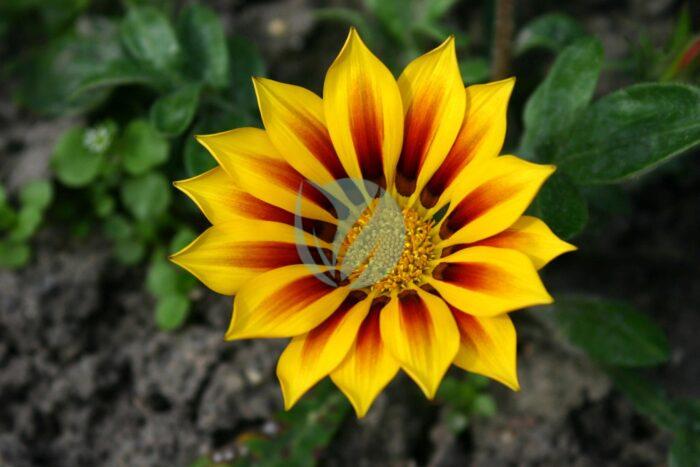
<point x="417" y="253"/>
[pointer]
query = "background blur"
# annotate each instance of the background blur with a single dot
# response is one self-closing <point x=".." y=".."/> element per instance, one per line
<point x="111" y="356"/>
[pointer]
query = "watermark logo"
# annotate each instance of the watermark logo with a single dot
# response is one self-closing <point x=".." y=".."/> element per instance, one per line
<point x="368" y="240"/>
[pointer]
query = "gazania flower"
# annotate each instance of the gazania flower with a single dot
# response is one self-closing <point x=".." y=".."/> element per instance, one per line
<point x="313" y="260"/>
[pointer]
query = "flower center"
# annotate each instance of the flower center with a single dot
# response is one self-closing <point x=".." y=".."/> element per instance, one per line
<point x="387" y="249"/>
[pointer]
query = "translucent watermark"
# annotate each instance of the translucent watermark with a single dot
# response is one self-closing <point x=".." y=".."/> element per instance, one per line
<point x="369" y="237"/>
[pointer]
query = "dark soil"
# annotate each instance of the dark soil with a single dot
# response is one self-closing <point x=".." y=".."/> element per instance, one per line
<point x="86" y="379"/>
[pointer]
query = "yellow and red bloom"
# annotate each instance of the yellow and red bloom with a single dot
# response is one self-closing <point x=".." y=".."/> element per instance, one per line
<point x="468" y="255"/>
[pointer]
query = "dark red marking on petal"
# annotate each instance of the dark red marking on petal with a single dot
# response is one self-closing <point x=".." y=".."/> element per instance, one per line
<point x="319" y="336"/>
<point x="296" y="296"/>
<point x="481" y="277"/>
<point x="415" y="318"/>
<point x="251" y="207"/>
<point x="369" y="345"/>
<point x="419" y="127"/>
<point x="367" y="133"/>
<point x="469" y="327"/>
<point x="283" y="174"/>
<point x="479" y="202"/>
<point x="461" y="154"/>
<point x="262" y="255"/>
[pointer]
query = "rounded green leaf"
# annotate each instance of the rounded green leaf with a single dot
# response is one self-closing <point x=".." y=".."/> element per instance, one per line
<point x="611" y="332"/>
<point x="149" y="37"/>
<point x="117" y="227"/>
<point x="129" y="251"/>
<point x="631" y="131"/>
<point x="204" y="43"/>
<point x="173" y="113"/>
<point x="142" y="147"/>
<point x="28" y="221"/>
<point x="164" y="279"/>
<point x="37" y="194"/>
<point x="74" y="164"/>
<point x="146" y="197"/>
<point x="14" y="254"/>
<point x="561" y="206"/>
<point x="172" y="311"/>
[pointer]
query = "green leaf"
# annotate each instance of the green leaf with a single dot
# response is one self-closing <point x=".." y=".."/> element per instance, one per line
<point x="164" y="279"/>
<point x="204" y="43"/>
<point x="129" y="251"/>
<point x="555" y="104"/>
<point x="685" y="450"/>
<point x="436" y="9"/>
<point x="553" y="32"/>
<point x="648" y="398"/>
<point x="52" y="80"/>
<point x="14" y="254"/>
<point x="149" y="37"/>
<point x="28" y="221"/>
<point x="173" y="113"/>
<point x="304" y="432"/>
<point x="561" y="206"/>
<point x="631" y="131"/>
<point x="120" y="72"/>
<point x="146" y="197"/>
<point x="246" y="62"/>
<point x="117" y="227"/>
<point x="37" y="194"/>
<point x="74" y="164"/>
<point x="172" y="311"/>
<point x="611" y="332"/>
<point x="347" y="17"/>
<point x="393" y="15"/>
<point x="142" y="147"/>
<point x="7" y="217"/>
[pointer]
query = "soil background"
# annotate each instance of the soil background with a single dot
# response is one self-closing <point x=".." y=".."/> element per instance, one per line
<point x="86" y="379"/>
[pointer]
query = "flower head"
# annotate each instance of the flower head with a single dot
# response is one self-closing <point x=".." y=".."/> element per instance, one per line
<point x="377" y="227"/>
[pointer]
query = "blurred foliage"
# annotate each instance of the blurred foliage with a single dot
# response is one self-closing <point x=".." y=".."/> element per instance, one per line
<point x="465" y="399"/>
<point x="400" y="31"/>
<point x="19" y="223"/>
<point x="622" y="341"/>
<point x="145" y="82"/>
<point x="296" y="438"/>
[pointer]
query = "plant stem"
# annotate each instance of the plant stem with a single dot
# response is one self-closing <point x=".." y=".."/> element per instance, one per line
<point x="502" y="39"/>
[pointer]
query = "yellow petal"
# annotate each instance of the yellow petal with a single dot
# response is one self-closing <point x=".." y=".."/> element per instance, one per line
<point x="284" y="302"/>
<point x="488" y="281"/>
<point x="480" y="138"/>
<point x="531" y="236"/>
<point x="420" y="332"/>
<point x="434" y="102"/>
<point x="364" y="113"/>
<point x="368" y="366"/>
<point x="491" y="198"/>
<point x="488" y="347"/>
<point x="249" y="157"/>
<point x="313" y="355"/>
<point x="221" y="200"/>
<point x="227" y="255"/>
<point x="293" y="117"/>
